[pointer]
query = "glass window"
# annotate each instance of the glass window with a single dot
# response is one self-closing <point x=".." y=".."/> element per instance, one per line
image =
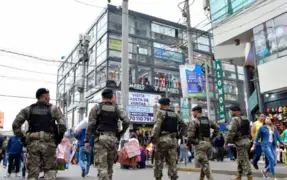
<point x="102" y="26"/>
<point x="92" y="59"/>
<point x="162" y="29"/>
<point x="79" y="71"/>
<point x="240" y="73"/>
<point x="70" y="99"/>
<point x="76" y="97"/>
<point x="101" y="49"/>
<point x="164" y="77"/>
<point x="203" y="40"/>
<point x="230" y="90"/>
<point x="228" y="67"/>
<point x="142" y="28"/>
<point x="114" y="71"/>
<point x="228" y="74"/>
<point x="91" y="81"/>
<point x="92" y="34"/>
<point x="117" y="54"/>
<point x="101" y="75"/>
<point x="280" y="24"/>
<point x="144" y="75"/>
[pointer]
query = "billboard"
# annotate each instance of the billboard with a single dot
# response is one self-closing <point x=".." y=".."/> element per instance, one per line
<point x="142" y="106"/>
<point x="168" y="55"/>
<point x="192" y="80"/>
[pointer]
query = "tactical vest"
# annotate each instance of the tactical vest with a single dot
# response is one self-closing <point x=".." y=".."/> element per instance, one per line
<point x="40" y="118"/>
<point x="244" y="127"/>
<point x="170" y="121"/>
<point x="204" y="127"/>
<point x="108" y="117"/>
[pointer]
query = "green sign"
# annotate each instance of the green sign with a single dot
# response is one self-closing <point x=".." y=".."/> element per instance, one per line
<point x="252" y="101"/>
<point x="219" y="84"/>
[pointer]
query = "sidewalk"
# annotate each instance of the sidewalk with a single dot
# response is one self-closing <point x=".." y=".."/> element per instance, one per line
<point x="230" y="168"/>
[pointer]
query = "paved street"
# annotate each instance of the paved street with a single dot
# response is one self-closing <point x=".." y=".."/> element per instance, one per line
<point x="146" y="174"/>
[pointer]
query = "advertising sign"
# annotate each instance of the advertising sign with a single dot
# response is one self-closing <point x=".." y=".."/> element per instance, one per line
<point x="142" y="107"/>
<point x="115" y="44"/>
<point x="168" y="55"/>
<point x="219" y="84"/>
<point x="1" y="120"/>
<point x="184" y="109"/>
<point x="192" y="80"/>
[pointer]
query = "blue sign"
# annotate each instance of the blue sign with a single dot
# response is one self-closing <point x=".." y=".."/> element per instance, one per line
<point x="195" y="81"/>
<point x="168" y="55"/>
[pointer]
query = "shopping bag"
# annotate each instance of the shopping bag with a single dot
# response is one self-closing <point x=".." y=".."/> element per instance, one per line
<point x="63" y="151"/>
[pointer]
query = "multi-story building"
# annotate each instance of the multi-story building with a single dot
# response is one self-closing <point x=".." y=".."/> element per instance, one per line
<point x="156" y="49"/>
<point x="253" y="33"/>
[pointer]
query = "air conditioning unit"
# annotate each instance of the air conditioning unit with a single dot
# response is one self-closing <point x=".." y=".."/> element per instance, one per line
<point x="206" y="5"/>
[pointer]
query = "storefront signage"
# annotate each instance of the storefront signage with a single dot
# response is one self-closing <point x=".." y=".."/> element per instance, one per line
<point x="142" y="106"/>
<point x="219" y="83"/>
<point x="168" y="55"/>
<point x="252" y="101"/>
<point x="142" y="87"/>
<point x="163" y="89"/>
<point x="115" y="44"/>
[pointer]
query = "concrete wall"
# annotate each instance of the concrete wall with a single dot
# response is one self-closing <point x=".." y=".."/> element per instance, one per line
<point x="247" y="19"/>
<point x="272" y="75"/>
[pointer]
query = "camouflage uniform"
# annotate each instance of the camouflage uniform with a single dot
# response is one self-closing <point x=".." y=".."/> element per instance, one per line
<point x="242" y="144"/>
<point x="202" y="146"/>
<point x="106" y="145"/>
<point x="41" y="146"/>
<point x="166" y="146"/>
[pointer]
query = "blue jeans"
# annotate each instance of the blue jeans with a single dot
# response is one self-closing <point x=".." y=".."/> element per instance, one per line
<point x="230" y="153"/>
<point x="5" y="160"/>
<point x="270" y="153"/>
<point x="183" y="151"/>
<point x="85" y="156"/>
<point x="257" y="155"/>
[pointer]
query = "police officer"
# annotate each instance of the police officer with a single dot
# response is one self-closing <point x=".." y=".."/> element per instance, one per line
<point x="104" y="118"/>
<point x="42" y="136"/>
<point x="199" y="135"/>
<point x="167" y="124"/>
<point x="240" y="134"/>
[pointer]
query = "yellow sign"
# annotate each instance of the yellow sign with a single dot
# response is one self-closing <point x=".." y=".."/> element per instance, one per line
<point x="115" y="44"/>
<point x="1" y="119"/>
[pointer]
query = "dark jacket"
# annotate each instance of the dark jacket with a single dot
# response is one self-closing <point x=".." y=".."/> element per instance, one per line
<point x="219" y="142"/>
<point x="14" y="145"/>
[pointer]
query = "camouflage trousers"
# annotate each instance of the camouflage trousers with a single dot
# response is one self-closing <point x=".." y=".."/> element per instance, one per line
<point x="166" y="149"/>
<point x="203" y="152"/>
<point x="243" y="164"/>
<point x="41" y="156"/>
<point x="105" y="152"/>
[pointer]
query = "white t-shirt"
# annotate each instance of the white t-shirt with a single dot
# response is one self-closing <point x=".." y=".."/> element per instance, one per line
<point x="271" y="135"/>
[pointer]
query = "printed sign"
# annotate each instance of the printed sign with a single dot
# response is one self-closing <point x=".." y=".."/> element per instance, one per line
<point x="219" y="83"/>
<point x="1" y="120"/>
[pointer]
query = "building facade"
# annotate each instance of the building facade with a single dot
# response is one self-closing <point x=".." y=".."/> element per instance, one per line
<point x="254" y="33"/>
<point x="156" y="49"/>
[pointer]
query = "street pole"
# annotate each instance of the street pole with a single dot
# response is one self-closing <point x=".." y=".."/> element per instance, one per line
<point x="207" y="89"/>
<point x="125" y="57"/>
<point x="84" y="49"/>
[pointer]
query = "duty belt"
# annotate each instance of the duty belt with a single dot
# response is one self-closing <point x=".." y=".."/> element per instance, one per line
<point x="40" y="136"/>
<point x="108" y="133"/>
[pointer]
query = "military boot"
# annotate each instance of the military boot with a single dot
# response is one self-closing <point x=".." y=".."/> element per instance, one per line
<point x="249" y="177"/>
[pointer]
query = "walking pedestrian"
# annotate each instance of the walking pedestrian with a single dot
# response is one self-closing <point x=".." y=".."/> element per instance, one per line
<point x="47" y="126"/>
<point x="14" y="150"/>
<point x="103" y="121"/>
<point x="269" y="137"/>
<point x="219" y="145"/>
<point x="254" y="131"/>
<point x="240" y="135"/>
<point x="164" y="136"/>
<point x="199" y="135"/>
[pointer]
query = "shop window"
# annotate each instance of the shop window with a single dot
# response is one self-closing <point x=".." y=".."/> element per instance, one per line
<point x="91" y="81"/>
<point x="165" y="78"/>
<point x="280" y="24"/>
<point x="229" y="75"/>
<point x="114" y="71"/>
<point x="144" y="75"/>
<point x="101" y="77"/>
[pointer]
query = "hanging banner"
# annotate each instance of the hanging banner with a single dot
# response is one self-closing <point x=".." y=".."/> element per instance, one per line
<point x="1" y="120"/>
<point x="184" y="109"/>
<point x="192" y="80"/>
<point x="142" y="107"/>
<point x="219" y="84"/>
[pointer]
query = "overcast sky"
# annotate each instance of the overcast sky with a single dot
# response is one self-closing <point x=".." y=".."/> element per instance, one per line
<point x="50" y="29"/>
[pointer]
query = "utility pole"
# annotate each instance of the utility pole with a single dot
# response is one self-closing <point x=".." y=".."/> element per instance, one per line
<point x="125" y="57"/>
<point x="84" y="57"/>
<point x="207" y="89"/>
